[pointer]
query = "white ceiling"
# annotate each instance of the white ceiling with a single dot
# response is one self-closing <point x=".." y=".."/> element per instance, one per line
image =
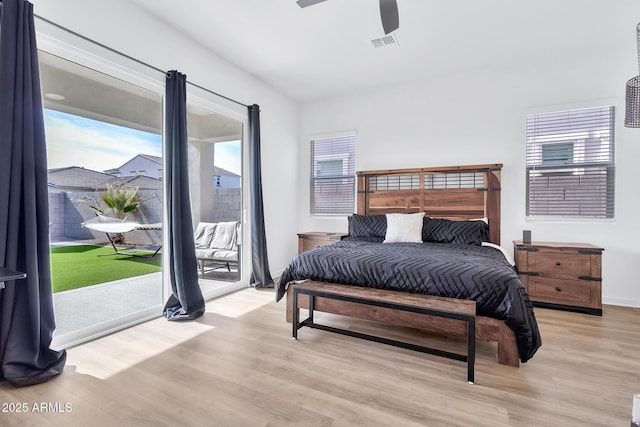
<point x="325" y="50"/>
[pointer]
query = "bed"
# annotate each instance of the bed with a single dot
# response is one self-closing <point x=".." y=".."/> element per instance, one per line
<point x="457" y="210"/>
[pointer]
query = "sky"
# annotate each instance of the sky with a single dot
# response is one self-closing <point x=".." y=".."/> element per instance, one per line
<point x="78" y="141"/>
<point x="227" y="155"/>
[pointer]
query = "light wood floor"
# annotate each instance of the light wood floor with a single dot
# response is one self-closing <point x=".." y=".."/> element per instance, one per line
<point x="238" y="366"/>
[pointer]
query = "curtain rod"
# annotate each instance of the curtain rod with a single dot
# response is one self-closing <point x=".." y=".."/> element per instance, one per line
<point x="131" y="57"/>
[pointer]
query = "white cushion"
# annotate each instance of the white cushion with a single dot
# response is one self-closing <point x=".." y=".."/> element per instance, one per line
<point x="225" y="236"/>
<point x="404" y="228"/>
<point x="204" y="233"/>
<point x="223" y="255"/>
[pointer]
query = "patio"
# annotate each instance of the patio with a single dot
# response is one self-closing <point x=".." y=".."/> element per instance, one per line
<point x="89" y="312"/>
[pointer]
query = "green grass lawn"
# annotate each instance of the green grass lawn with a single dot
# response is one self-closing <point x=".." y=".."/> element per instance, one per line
<point x="78" y="266"/>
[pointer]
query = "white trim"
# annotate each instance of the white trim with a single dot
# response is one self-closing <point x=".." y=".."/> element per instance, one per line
<point x="622" y="302"/>
<point x="221" y="290"/>
<point x="100" y="59"/>
<point x="96" y="331"/>
<point x="336" y="134"/>
<point x="216" y="104"/>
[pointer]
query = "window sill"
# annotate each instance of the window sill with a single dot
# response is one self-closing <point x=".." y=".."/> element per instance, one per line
<point x="572" y="220"/>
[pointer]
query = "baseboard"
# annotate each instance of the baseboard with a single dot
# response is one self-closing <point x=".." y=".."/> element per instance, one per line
<point x="624" y="302"/>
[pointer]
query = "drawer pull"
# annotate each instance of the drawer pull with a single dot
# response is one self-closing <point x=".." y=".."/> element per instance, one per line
<point x="591" y="279"/>
<point x="527" y="249"/>
<point x="589" y="252"/>
<point x="528" y="273"/>
<point x="558" y="263"/>
<point x="558" y="288"/>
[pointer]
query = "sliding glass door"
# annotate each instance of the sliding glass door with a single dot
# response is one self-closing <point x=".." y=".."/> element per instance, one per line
<point x="103" y="123"/>
<point x="215" y="175"/>
<point x="104" y="148"/>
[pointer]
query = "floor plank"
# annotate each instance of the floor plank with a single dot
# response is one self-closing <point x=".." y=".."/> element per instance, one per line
<point x="238" y="366"/>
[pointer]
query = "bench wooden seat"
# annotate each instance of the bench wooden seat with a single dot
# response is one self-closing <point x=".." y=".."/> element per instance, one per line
<point x="450" y="308"/>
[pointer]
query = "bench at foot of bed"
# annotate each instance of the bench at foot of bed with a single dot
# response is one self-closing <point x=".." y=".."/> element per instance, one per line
<point x="449" y="308"/>
<point x="486" y="328"/>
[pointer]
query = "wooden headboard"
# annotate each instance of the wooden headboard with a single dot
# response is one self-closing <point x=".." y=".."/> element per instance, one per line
<point x="453" y="192"/>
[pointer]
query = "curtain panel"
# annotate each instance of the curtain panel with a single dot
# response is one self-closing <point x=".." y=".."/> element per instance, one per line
<point x="260" y="274"/>
<point x="186" y="301"/>
<point x="26" y="306"/>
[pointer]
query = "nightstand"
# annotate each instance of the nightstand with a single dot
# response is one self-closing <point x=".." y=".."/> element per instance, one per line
<point x="314" y="239"/>
<point x="561" y="275"/>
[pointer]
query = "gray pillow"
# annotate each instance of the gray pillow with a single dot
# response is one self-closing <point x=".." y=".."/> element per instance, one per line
<point x="367" y="226"/>
<point x="440" y="230"/>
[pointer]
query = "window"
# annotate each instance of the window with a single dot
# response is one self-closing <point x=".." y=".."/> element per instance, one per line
<point x="571" y="163"/>
<point x="333" y="175"/>
<point x="557" y="154"/>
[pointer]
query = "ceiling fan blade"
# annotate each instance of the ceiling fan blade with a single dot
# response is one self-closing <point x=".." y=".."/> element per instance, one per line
<point x="307" y="3"/>
<point x="389" y="15"/>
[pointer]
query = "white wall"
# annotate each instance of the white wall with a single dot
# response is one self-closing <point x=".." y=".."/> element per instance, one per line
<point x="478" y="116"/>
<point x="120" y="26"/>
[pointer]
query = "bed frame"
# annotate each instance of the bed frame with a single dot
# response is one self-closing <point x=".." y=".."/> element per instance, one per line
<point x="455" y="192"/>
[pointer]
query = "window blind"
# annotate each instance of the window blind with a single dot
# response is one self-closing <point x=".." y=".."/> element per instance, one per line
<point x="333" y="175"/>
<point x="571" y="163"/>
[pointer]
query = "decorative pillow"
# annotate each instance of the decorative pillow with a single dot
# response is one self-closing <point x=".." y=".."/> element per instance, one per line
<point x="367" y="226"/>
<point x="440" y="230"/>
<point x="404" y="228"/>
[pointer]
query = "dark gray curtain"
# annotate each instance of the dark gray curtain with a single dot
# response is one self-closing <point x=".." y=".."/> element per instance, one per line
<point x="186" y="301"/>
<point x="26" y="306"/>
<point x="260" y="275"/>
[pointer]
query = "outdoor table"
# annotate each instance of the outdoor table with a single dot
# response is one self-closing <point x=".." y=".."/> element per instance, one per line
<point x="7" y="274"/>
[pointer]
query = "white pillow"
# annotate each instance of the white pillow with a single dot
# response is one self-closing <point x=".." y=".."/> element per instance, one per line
<point x="501" y="249"/>
<point x="404" y="228"/>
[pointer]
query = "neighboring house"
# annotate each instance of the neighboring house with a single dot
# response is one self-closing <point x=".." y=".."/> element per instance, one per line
<point x="142" y="164"/>
<point x="225" y="179"/>
<point x="141" y="182"/>
<point x="76" y="178"/>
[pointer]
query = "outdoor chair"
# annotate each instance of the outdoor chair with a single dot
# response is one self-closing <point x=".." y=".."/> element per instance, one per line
<point x="217" y="243"/>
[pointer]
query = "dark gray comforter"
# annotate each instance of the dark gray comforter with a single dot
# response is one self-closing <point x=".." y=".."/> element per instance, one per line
<point x="469" y="272"/>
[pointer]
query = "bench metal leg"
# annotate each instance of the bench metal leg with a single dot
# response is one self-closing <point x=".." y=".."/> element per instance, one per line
<point x="295" y="314"/>
<point x="471" y="349"/>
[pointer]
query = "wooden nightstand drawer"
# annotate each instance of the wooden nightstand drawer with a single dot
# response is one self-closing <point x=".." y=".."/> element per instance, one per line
<point x="556" y="264"/>
<point x="561" y="275"/>
<point x="314" y="239"/>
<point x="551" y="290"/>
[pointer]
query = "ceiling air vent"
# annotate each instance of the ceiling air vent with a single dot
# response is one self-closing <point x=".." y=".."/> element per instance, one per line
<point x="386" y="41"/>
